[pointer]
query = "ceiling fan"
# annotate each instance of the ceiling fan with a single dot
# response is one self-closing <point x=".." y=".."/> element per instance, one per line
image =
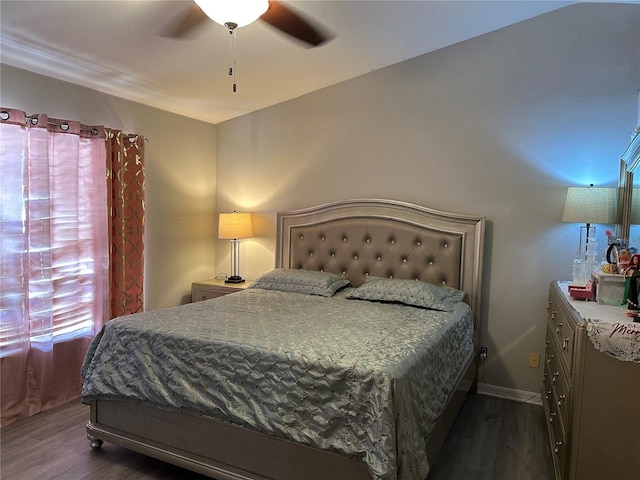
<point x="234" y="14"/>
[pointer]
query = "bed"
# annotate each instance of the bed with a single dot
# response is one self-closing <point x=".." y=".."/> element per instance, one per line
<point x="301" y="382"/>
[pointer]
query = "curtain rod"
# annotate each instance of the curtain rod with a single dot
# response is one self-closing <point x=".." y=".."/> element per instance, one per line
<point x="131" y="136"/>
<point x="65" y="126"/>
<point x="4" y="115"/>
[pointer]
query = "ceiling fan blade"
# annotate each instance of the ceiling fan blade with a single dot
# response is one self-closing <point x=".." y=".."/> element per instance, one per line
<point x="186" y="23"/>
<point x="286" y="20"/>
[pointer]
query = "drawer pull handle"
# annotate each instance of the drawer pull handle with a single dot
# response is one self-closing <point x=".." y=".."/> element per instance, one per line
<point x="561" y="399"/>
<point x="558" y="327"/>
<point x="565" y="343"/>
<point x="548" y="395"/>
<point x="549" y="359"/>
<point x="558" y="445"/>
<point x="553" y="414"/>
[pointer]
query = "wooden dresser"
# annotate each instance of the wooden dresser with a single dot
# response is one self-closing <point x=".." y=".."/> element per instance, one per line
<point x="591" y="400"/>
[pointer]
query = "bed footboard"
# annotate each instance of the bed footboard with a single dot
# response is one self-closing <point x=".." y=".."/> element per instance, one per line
<point x="212" y="448"/>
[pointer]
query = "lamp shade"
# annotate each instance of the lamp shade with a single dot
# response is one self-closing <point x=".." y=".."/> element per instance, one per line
<point x="590" y="205"/>
<point x="235" y="225"/>
<point x="238" y="12"/>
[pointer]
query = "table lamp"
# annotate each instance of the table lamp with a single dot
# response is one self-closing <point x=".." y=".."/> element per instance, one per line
<point x="588" y="205"/>
<point x="235" y="226"/>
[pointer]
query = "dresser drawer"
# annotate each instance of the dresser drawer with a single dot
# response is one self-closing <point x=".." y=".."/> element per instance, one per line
<point x="562" y="332"/>
<point x="562" y="398"/>
<point x="556" y="423"/>
<point x="200" y="294"/>
<point x="556" y="384"/>
<point x="558" y="439"/>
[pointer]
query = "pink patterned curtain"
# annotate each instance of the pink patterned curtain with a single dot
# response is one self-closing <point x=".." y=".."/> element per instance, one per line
<point x="55" y="260"/>
<point x="53" y="257"/>
<point x="125" y="162"/>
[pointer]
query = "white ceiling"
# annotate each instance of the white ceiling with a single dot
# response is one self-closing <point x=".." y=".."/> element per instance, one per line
<point x="116" y="47"/>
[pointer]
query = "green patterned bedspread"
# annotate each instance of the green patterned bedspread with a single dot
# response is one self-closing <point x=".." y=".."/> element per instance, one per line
<point x="361" y="378"/>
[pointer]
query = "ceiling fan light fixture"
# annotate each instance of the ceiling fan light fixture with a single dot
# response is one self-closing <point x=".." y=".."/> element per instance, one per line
<point x="238" y="12"/>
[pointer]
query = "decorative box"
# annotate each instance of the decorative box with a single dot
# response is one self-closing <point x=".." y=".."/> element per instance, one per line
<point x="581" y="292"/>
<point x="609" y="288"/>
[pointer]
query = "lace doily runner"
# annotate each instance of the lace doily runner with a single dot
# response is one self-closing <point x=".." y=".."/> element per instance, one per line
<point x="620" y="340"/>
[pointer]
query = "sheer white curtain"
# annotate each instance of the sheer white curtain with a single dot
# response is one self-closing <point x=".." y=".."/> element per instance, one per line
<point x="54" y="257"/>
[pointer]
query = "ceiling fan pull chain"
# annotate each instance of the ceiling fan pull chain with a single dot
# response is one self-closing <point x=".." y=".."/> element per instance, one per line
<point x="232" y="54"/>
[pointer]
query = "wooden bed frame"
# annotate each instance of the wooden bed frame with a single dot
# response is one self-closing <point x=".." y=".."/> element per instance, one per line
<point x="355" y="238"/>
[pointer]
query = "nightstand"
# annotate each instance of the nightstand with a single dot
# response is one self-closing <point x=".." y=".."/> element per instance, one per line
<point x="213" y="288"/>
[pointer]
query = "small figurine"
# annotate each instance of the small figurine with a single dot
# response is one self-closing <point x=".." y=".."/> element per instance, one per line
<point x="632" y="285"/>
<point x="634" y="265"/>
<point x="624" y="259"/>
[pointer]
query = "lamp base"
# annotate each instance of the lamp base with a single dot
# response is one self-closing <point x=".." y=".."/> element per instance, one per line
<point x="234" y="279"/>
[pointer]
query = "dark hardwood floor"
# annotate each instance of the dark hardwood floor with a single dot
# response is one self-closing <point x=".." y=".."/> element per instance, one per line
<point x="496" y="439"/>
<point x="492" y="439"/>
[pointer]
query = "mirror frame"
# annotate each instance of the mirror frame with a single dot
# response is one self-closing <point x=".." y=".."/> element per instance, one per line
<point x="629" y="163"/>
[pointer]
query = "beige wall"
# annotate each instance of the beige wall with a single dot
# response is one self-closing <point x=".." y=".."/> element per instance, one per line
<point x="497" y="126"/>
<point x="180" y="176"/>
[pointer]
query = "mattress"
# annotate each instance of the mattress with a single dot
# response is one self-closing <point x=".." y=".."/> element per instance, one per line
<point x="361" y="378"/>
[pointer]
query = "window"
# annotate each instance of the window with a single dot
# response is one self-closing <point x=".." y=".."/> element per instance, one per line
<point x="53" y="233"/>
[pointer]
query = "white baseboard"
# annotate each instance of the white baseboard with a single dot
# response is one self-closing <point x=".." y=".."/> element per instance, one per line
<point x="521" y="396"/>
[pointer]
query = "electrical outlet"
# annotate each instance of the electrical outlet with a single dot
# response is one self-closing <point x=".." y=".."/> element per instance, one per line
<point x="483" y="353"/>
<point x="534" y="360"/>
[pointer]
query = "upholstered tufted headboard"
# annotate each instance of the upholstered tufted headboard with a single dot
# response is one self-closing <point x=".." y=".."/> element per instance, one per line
<point x="384" y="238"/>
